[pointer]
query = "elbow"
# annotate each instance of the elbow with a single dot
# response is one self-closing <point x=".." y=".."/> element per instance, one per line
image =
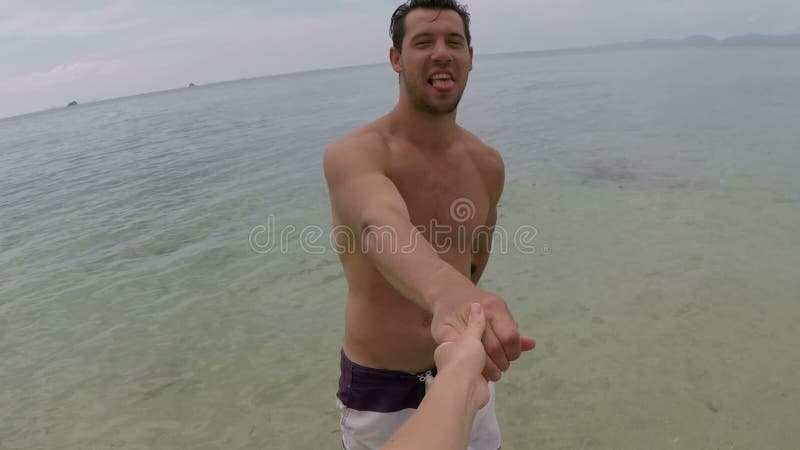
<point x="370" y="217"/>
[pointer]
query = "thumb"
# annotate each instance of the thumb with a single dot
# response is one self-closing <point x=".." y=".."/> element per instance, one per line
<point x="528" y="343"/>
<point x="477" y="321"/>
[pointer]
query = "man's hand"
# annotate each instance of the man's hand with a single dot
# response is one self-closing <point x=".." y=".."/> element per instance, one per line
<point x="501" y="339"/>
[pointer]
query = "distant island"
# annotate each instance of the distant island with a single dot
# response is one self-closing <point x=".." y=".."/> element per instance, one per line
<point x="191" y="85"/>
<point x="700" y="40"/>
<point x="72" y="103"/>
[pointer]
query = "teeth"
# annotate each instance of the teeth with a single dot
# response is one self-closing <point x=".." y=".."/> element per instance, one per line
<point x="442" y="76"/>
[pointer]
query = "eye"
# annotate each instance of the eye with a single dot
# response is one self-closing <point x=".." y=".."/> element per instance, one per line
<point x="422" y="44"/>
<point x="455" y="44"/>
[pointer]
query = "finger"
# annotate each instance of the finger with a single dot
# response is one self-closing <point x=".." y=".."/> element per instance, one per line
<point x="507" y="333"/>
<point x="491" y="372"/>
<point x="477" y="322"/>
<point x="527" y="343"/>
<point x="494" y="349"/>
<point x="504" y="326"/>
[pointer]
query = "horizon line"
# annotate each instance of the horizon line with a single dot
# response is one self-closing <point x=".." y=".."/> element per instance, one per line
<point x="617" y="46"/>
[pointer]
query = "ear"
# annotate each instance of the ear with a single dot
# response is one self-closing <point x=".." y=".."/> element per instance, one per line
<point x="471" y="54"/>
<point x="394" y="58"/>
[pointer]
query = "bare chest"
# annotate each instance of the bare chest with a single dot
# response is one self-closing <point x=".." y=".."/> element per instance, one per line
<point x="447" y="200"/>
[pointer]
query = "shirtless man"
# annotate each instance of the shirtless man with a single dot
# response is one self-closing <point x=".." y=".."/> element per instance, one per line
<point x="417" y="194"/>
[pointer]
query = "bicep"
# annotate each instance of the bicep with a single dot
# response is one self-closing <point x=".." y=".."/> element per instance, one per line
<point x="359" y="188"/>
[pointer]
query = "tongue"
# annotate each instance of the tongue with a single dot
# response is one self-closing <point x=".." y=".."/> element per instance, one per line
<point x="443" y="85"/>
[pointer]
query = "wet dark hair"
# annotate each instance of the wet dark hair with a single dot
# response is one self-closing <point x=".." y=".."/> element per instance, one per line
<point x="397" y="29"/>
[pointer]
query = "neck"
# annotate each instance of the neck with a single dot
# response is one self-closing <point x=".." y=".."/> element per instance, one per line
<point x="422" y="128"/>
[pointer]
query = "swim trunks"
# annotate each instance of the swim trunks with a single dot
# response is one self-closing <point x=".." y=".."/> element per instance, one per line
<point x="374" y="403"/>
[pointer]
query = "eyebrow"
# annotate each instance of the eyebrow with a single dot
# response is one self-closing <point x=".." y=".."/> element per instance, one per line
<point x="430" y="35"/>
<point x="421" y="36"/>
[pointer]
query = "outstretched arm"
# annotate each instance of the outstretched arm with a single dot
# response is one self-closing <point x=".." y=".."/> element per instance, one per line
<point x="367" y="203"/>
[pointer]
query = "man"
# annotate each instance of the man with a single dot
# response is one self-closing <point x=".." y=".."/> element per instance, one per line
<point x="418" y="195"/>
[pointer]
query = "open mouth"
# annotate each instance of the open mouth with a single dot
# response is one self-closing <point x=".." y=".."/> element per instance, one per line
<point x="442" y="81"/>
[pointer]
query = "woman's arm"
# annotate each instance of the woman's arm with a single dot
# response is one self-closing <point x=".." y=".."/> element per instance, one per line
<point x="444" y="418"/>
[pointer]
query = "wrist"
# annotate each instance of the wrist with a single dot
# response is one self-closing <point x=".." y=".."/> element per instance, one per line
<point x="465" y="384"/>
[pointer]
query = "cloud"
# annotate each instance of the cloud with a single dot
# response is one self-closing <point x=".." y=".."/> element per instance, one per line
<point x="107" y="48"/>
<point x="237" y="44"/>
<point x="58" y="75"/>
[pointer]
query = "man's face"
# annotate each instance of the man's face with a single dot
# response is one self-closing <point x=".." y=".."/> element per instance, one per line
<point x="435" y="60"/>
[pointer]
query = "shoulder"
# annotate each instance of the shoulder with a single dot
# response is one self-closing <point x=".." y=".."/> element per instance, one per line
<point x="367" y="140"/>
<point x="364" y="148"/>
<point x="489" y="163"/>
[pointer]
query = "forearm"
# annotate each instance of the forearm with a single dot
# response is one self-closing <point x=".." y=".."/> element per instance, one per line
<point x="444" y="418"/>
<point x="409" y="262"/>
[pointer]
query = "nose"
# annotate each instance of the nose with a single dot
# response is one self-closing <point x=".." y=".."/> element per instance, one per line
<point x="441" y="53"/>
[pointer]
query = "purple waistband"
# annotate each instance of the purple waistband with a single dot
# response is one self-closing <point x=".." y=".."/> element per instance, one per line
<point x="378" y="390"/>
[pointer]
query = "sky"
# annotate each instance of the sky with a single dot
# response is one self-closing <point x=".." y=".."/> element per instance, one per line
<point x="55" y="51"/>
